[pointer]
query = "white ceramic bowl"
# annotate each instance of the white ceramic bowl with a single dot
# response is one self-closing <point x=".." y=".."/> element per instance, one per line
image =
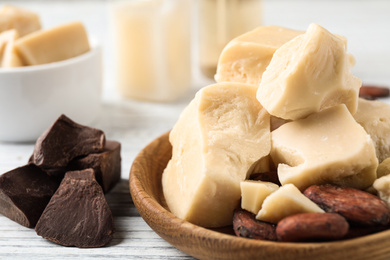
<point x="32" y="97"/>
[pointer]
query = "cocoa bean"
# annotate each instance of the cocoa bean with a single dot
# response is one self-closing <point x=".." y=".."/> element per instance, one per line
<point x="372" y="92"/>
<point x="312" y="227"/>
<point x="271" y="176"/>
<point x="246" y="225"/>
<point x="358" y="207"/>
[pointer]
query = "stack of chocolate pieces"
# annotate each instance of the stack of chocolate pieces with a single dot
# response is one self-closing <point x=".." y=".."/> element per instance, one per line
<point x="61" y="190"/>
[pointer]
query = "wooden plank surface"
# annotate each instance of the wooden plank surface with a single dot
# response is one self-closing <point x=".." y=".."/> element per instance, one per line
<point x="134" y="124"/>
<point x="133" y="238"/>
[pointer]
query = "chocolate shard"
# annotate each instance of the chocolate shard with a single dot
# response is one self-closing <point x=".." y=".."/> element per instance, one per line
<point x="107" y="165"/>
<point x="64" y="141"/>
<point x="78" y="213"/>
<point x="24" y="194"/>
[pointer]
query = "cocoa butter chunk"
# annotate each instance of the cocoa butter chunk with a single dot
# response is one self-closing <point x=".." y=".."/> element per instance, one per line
<point x="78" y="213"/>
<point x="312" y="227"/>
<point x="374" y="117"/>
<point x="107" y="165"/>
<point x="220" y="137"/>
<point x="307" y="74"/>
<point x="246" y="57"/>
<point x="24" y="194"/>
<point x="64" y="141"/>
<point x="358" y="207"/>
<point x="55" y="44"/>
<point x="22" y="20"/>
<point x="325" y="147"/>
<point x="285" y="201"/>
<point x="253" y="194"/>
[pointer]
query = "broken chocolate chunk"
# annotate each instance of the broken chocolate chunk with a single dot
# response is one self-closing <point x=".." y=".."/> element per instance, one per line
<point x="24" y="194"/>
<point x="107" y="165"/>
<point x="64" y="141"/>
<point x="78" y="213"/>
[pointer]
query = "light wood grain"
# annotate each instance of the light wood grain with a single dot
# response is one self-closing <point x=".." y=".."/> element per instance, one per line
<point x="133" y="238"/>
<point x="134" y="124"/>
<point x="202" y="243"/>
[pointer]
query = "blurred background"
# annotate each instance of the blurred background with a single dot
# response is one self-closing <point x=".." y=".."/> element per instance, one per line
<point x="365" y="23"/>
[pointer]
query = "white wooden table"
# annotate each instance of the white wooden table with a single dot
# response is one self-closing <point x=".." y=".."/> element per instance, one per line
<point x="366" y="24"/>
<point x="134" y="124"/>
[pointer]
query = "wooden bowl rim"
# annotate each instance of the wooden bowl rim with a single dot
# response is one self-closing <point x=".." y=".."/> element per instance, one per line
<point x="146" y="203"/>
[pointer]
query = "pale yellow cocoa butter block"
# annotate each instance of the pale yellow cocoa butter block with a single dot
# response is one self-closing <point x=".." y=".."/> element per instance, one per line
<point x="55" y="44"/>
<point x="253" y="193"/>
<point x="216" y="141"/>
<point x="245" y="58"/>
<point x="308" y="74"/>
<point x="4" y="38"/>
<point x="326" y="147"/>
<point x="284" y="202"/>
<point x="9" y="58"/>
<point x="382" y="187"/>
<point x="383" y="168"/>
<point x="20" y="19"/>
<point x="374" y="116"/>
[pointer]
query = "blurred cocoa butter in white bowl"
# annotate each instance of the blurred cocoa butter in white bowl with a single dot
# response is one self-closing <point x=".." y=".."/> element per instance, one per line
<point x="45" y="73"/>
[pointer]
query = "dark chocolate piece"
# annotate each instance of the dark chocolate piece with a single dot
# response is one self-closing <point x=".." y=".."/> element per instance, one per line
<point x="24" y="194"/>
<point x="78" y="213"/>
<point x="107" y="165"/>
<point x="64" y="141"/>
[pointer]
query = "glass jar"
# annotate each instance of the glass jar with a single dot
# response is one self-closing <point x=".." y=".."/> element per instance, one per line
<point x="152" y="48"/>
<point x="219" y="22"/>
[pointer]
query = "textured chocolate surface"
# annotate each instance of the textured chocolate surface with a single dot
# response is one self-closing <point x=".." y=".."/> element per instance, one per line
<point x="78" y="213"/>
<point x="24" y="194"/>
<point x="64" y="141"/>
<point x="107" y="165"/>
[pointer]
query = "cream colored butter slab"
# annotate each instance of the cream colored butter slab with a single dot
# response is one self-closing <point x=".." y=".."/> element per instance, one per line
<point x="285" y="201"/>
<point x="382" y="186"/>
<point x="20" y="19"/>
<point x="245" y="58"/>
<point x="253" y="193"/>
<point x="9" y="58"/>
<point x="308" y="74"/>
<point x="55" y="44"/>
<point x="217" y="140"/>
<point x="4" y="38"/>
<point x="374" y="116"/>
<point x="326" y="147"/>
<point x="383" y="168"/>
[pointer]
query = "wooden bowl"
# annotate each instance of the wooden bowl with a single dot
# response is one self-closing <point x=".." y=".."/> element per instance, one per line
<point x="202" y="243"/>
